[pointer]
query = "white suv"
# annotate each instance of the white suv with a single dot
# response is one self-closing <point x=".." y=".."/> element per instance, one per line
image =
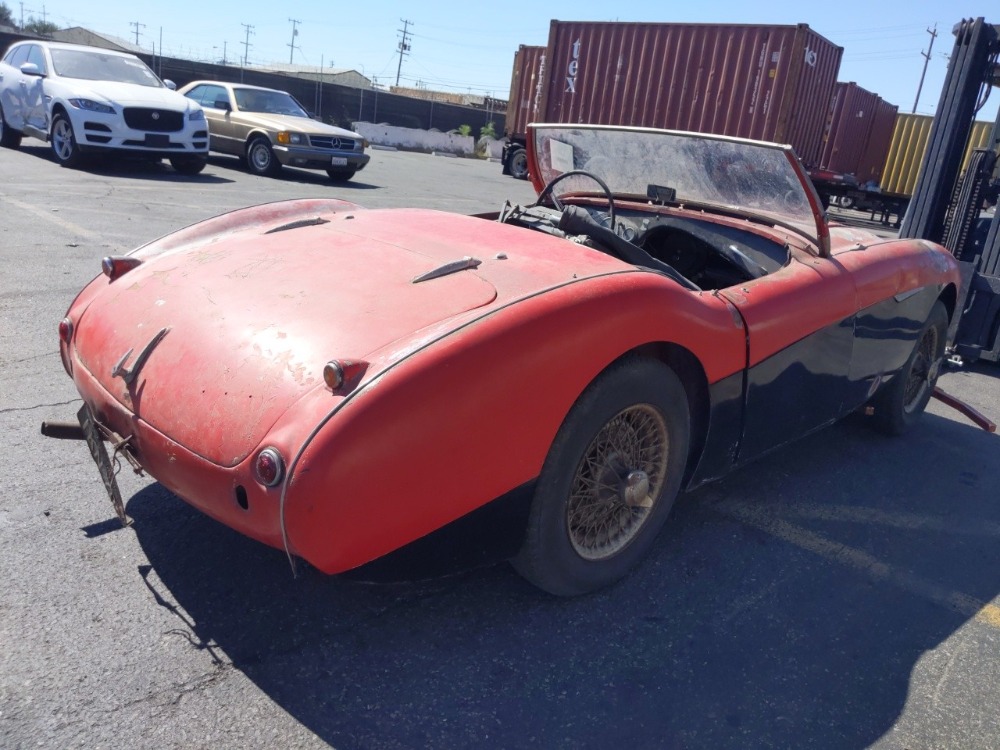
<point x="91" y="100"/>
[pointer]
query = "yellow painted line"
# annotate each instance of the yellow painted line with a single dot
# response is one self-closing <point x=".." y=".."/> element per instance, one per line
<point x="861" y="562"/>
<point x="52" y="218"/>
<point x="895" y="519"/>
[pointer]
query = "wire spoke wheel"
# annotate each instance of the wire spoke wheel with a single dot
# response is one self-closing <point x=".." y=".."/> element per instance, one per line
<point x="899" y="404"/>
<point x="924" y="370"/>
<point x="617" y="482"/>
<point x="609" y="480"/>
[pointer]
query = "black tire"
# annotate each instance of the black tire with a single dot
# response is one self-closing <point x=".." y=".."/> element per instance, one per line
<point x="341" y="175"/>
<point x="587" y="484"/>
<point x="9" y="138"/>
<point x="517" y="164"/>
<point x="260" y="158"/>
<point x="63" y="140"/>
<point x="188" y="164"/>
<point x="900" y="403"/>
<point x="845" y="201"/>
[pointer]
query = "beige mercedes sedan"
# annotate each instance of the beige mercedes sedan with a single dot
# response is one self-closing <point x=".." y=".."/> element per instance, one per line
<point x="269" y="129"/>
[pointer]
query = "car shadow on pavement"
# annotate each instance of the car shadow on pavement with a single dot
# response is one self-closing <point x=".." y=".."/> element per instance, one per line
<point x="792" y="604"/>
<point x="302" y="176"/>
<point x="133" y="167"/>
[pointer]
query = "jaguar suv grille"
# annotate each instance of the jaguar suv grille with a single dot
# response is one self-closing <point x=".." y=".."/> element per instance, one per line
<point x="154" y="120"/>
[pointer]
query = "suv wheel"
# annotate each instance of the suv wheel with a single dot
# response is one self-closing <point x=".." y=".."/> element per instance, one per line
<point x="64" y="146"/>
<point x="9" y="138"/>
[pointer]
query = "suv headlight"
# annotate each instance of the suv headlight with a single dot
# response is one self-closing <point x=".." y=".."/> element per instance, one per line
<point x="91" y="106"/>
<point x="291" y="139"/>
<point x="196" y="115"/>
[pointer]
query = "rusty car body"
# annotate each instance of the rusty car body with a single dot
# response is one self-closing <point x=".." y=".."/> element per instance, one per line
<point x="350" y="384"/>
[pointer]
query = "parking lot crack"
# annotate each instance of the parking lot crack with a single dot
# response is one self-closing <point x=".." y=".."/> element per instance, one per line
<point x="39" y="406"/>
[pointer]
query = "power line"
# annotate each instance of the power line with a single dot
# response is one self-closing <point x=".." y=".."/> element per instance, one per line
<point x="246" y="48"/>
<point x="136" y="25"/>
<point x="404" y="46"/>
<point x="927" y="59"/>
<point x="295" y="33"/>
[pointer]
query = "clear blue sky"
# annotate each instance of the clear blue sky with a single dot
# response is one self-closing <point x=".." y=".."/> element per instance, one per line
<point x="469" y="47"/>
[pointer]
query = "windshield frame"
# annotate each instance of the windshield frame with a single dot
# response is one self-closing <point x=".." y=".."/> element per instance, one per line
<point x="769" y="182"/>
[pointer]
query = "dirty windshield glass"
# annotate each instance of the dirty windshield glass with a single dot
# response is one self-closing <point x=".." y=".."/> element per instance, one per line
<point x="714" y="170"/>
<point x="99" y="66"/>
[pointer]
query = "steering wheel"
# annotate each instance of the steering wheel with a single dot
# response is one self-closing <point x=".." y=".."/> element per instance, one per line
<point x="547" y="192"/>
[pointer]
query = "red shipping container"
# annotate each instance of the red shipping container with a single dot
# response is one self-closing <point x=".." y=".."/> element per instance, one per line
<point x="873" y="160"/>
<point x="771" y="83"/>
<point x="525" y="89"/>
<point x="856" y="116"/>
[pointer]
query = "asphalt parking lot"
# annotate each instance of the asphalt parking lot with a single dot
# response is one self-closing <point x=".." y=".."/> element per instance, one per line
<point x="843" y="592"/>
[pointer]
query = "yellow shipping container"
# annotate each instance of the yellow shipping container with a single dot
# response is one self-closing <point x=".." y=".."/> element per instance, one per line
<point x="906" y="151"/>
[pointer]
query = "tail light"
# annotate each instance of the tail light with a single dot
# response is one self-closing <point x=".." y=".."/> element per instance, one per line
<point x="270" y="467"/>
<point x="114" y="266"/>
<point x="65" y="330"/>
<point x="342" y="375"/>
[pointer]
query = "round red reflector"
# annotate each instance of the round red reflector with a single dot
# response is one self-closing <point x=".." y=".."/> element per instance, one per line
<point x="65" y="330"/>
<point x="269" y="466"/>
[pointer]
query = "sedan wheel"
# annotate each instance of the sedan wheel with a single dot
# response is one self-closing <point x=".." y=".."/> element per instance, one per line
<point x="609" y="480"/>
<point x="188" y="164"/>
<point x="64" y="145"/>
<point x="9" y="138"/>
<point x="260" y="158"/>
<point x="340" y="175"/>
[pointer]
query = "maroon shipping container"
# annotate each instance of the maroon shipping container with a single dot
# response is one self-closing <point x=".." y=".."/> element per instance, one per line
<point x="856" y="116"/>
<point x="525" y="89"/>
<point x="873" y="160"/>
<point x="771" y="83"/>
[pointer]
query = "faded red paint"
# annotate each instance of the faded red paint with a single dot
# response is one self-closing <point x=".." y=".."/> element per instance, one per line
<point x="469" y="378"/>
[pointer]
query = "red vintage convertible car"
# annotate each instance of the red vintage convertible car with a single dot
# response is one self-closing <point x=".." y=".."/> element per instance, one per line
<point x="350" y="384"/>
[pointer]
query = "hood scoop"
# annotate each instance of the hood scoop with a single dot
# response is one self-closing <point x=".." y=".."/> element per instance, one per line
<point x="299" y="224"/>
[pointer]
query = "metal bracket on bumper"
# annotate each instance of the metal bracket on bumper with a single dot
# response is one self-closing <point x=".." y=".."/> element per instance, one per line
<point x="95" y="434"/>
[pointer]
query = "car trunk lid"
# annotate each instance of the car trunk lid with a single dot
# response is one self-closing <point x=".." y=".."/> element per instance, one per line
<point x="221" y="337"/>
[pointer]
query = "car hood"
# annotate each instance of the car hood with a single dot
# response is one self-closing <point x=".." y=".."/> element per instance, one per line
<point x="237" y="326"/>
<point x="290" y="122"/>
<point x="127" y="94"/>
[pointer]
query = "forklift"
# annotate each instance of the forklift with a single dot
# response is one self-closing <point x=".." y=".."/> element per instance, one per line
<point x="950" y="207"/>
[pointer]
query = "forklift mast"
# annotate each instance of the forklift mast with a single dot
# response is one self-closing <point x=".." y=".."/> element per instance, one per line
<point x="947" y="205"/>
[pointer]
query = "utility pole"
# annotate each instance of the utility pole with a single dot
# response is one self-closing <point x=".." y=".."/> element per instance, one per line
<point x="927" y="59"/>
<point x="295" y="33"/>
<point x="404" y="46"/>
<point x="136" y="25"/>
<point x="246" y="48"/>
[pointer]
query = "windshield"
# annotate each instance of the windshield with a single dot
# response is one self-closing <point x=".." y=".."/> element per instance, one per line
<point x="101" y="66"/>
<point x="270" y="102"/>
<point x="707" y="169"/>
